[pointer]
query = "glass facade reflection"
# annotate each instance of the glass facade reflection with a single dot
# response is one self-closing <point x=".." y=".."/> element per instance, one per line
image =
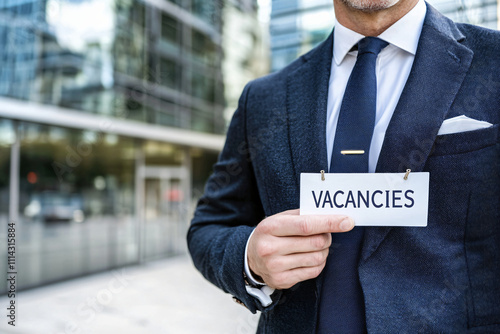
<point x="58" y="163"/>
<point x="299" y="25"/>
<point x="128" y="59"/>
<point x="91" y="201"/>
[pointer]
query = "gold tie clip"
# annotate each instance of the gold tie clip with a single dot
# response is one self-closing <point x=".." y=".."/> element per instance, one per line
<point x="349" y="152"/>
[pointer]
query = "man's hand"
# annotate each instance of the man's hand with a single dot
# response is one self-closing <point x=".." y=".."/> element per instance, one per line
<point x="288" y="248"/>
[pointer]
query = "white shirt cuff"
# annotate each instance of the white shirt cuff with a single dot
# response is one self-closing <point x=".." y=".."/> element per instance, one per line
<point x="264" y="292"/>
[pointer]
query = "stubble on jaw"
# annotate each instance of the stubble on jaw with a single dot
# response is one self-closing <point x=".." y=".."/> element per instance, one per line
<point x="369" y="6"/>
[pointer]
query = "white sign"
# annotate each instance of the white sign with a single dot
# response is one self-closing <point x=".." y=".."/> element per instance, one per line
<point x="371" y="199"/>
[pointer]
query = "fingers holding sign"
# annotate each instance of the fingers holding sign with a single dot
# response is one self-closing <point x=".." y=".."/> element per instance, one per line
<point x="288" y="248"/>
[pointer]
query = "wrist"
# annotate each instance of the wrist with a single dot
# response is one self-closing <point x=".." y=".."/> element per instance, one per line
<point x="256" y="277"/>
<point x="249" y="275"/>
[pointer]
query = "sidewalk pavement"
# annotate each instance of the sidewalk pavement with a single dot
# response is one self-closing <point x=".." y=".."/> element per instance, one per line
<point x="161" y="297"/>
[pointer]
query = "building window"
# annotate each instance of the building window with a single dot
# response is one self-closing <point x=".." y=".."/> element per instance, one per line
<point x="169" y="28"/>
<point x="202" y="120"/>
<point x="208" y="11"/>
<point x="203" y="48"/>
<point x="203" y="87"/>
<point x="168" y="73"/>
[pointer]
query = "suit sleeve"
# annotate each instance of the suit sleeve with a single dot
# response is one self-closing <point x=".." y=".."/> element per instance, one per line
<point x="227" y="214"/>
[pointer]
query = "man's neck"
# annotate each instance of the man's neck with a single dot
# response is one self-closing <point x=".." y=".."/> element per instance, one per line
<point x="371" y="23"/>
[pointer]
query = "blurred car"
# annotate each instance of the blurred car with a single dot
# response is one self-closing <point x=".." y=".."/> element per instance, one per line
<point x="55" y="207"/>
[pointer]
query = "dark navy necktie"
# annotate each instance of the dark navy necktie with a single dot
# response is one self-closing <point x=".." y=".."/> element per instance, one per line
<point x="342" y="308"/>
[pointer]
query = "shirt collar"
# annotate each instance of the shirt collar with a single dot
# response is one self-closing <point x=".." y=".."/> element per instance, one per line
<point x="403" y="34"/>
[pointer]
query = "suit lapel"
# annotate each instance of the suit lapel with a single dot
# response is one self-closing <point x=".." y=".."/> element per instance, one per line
<point x="438" y="71"/>
<point x="307" y="94"/>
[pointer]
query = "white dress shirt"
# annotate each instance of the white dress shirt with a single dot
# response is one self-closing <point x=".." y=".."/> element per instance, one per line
<point x="392" y="69"/>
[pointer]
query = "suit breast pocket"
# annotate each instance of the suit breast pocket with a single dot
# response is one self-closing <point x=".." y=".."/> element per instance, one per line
<point x="464" y="142"/>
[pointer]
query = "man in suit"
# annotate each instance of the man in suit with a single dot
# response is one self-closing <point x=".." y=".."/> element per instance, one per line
<point x="437" y="110"/>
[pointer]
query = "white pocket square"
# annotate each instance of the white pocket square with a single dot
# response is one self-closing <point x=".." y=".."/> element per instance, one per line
<point x="461" y="124"/>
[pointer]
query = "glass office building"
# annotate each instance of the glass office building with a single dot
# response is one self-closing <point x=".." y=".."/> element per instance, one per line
<point x="299" y="25"/>
<point x="111" y="116"/>
<point x="152" y="61"/>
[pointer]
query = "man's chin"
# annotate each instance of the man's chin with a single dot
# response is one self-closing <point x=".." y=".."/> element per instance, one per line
<point x="370" y="6"/>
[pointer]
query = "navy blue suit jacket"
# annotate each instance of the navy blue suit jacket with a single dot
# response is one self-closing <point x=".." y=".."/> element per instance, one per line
<point x="443" y="278"/>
